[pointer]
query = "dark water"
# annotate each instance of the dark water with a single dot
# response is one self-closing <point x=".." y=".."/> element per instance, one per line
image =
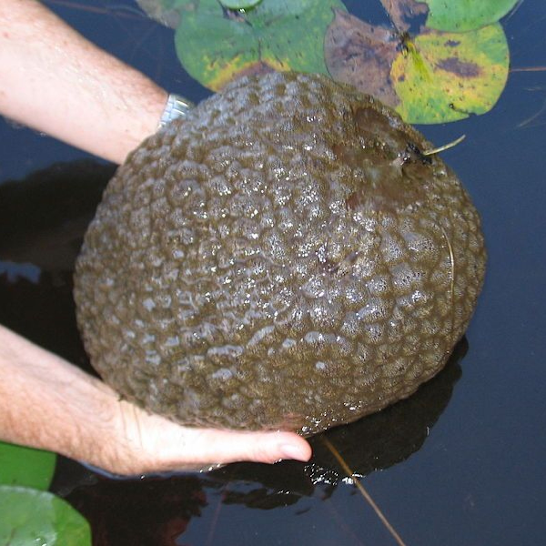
<point x="461" y="463"/>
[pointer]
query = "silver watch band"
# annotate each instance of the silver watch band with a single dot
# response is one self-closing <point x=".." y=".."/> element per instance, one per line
<point x="176" y="107"/>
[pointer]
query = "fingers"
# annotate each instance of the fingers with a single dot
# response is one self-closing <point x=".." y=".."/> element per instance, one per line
<point x="225" y="446"/>
<point x="154" y="444"/>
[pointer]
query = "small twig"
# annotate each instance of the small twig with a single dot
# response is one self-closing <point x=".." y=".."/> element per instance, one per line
<point x="527" y="122"/>
<point x="529" y="69"/>
<point x="513" y="11"/>
<point x="447" y="146"/>
<point x="363" y="492"/>
<point x="452" y="264"/>
<point x="452" y="282"/>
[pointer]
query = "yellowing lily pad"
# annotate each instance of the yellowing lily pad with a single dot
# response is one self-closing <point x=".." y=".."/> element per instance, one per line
<point x="443" y="76"/>
<point x="216" y="45"/>
<point x="29" y="517"/>
<point x="464" y="15"/>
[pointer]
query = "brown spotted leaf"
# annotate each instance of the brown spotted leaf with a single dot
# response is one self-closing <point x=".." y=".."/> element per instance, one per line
<point x="447" y="76"/>
<point x="361" y="55"/>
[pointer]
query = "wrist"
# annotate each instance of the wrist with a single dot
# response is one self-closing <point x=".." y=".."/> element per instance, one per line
<point x="176" y="107"/>
<point x="47" y="403"/>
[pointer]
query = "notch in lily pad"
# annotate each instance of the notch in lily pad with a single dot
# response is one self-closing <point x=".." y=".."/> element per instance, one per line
<point x="216" y="45"/>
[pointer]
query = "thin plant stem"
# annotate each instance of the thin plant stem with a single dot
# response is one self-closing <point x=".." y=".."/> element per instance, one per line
<point x="363" y="492"/>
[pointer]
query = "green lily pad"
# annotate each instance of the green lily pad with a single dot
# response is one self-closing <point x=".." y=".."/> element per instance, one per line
<point x="215" y="46"/>
<point x="444" y="76"/>
<point x="25" y="466"/>
<point x="464" y="15"/>
<point x="37" y="517"/>
<point x="239" y="4"/>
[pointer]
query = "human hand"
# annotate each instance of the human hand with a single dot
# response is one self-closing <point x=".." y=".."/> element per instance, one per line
<point x="150" y="443"/>
<point x="46" y="402"/>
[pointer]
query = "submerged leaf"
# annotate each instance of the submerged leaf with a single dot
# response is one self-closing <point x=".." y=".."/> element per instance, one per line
<point x="167" y="12"/>
<point x="402" y="11"/>
<point x="466" y="15"/>
<point x="215" y="45"/>
<point x="25" y="466"/>
<point x="448" y="76"/>
<point x="38" y="517"/>
<point x="361" y="55"/>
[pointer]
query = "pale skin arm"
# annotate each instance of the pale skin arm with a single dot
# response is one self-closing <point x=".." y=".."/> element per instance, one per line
<point x="54" y="80"/>
<point x="46" y="402"/>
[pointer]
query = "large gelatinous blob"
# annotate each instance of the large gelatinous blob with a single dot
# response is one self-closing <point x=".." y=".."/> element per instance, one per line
<point x="286" y="256"/>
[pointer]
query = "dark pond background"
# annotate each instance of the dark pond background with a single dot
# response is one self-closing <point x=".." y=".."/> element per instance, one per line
<point x="461" y="463"/>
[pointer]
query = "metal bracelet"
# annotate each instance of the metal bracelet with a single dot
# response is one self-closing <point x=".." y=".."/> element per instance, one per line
<point x="176" y="107"/>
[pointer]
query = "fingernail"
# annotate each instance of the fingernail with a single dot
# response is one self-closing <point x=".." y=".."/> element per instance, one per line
<point x="290" y="451"/>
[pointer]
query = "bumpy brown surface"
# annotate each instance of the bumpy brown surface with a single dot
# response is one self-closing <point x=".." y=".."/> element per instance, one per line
<point x="286" y="256"/>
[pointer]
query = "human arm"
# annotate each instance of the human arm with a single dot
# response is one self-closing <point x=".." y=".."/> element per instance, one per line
<point x="54" y="80"/>
<point x="47" y="403"/>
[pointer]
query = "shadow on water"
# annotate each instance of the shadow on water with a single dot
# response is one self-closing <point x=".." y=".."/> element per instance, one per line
<point x="45" y="217"/>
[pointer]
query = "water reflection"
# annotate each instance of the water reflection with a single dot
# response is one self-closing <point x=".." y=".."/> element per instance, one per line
<point x="157" y="511"/>
<point x="373" y="443"/>
<point x="43" y="217"/>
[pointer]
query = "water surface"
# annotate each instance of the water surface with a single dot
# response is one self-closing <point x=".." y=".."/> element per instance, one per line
<point x="463" y="464"/>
